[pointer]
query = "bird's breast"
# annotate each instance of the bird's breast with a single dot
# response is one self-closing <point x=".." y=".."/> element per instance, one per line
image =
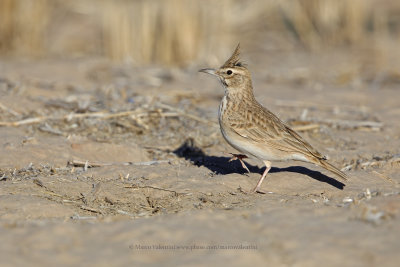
<point x="222" y="107"/>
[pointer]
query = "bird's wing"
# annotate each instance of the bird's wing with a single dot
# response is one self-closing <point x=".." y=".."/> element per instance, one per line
<point x="263" y="127"/>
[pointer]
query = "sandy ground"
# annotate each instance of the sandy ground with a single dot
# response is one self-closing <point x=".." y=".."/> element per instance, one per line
<point x="165" y="192"/>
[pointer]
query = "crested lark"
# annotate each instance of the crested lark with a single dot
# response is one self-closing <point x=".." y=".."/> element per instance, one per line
<point x="254" y="130"/>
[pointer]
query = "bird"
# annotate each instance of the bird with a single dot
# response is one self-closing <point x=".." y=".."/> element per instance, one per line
<point x="255" y="131"/>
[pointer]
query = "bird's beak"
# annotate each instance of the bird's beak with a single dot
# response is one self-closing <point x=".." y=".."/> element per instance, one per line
<point x="209" y="71"/>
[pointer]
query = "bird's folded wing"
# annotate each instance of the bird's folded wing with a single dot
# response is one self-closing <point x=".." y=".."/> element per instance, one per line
<point x="276" y="134"/>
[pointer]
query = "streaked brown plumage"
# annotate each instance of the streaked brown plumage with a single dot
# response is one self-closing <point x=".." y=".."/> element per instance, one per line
<point x="255" y="131"/>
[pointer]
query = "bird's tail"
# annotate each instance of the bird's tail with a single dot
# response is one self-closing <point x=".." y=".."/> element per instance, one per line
<point x="325" y="164"/>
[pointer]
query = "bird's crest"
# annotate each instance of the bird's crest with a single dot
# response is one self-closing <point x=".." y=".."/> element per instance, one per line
<point x="234" y="60"/>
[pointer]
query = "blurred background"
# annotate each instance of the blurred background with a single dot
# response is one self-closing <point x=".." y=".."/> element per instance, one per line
<point x="180" y="32"/>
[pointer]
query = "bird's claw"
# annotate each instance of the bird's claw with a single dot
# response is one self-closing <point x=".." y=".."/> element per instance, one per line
<point x="240" y="157"/>
<point x="257" y="190"/>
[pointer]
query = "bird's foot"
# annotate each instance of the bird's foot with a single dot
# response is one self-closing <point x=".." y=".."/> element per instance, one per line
<point x="257" y="190"/>
<point x="240" y="157"/>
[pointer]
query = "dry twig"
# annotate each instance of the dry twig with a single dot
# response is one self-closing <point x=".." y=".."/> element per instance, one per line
<point x="385" y="177"/>
<point x="9" y="110"/>
<point x="69" y="117"/>
<point x="155" y="188"/>
<point x="347" y="124"/>
<point x="184" y="113"/>
<point x="308" y="127"/>
<point x="87" y="164"/>
<point x="90" y="209"/>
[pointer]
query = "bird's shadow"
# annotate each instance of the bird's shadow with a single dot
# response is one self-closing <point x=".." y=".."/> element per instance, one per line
<point x="221" y="165"/>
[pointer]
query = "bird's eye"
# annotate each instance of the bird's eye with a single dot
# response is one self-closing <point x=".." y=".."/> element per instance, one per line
<point x="229" y="72"/>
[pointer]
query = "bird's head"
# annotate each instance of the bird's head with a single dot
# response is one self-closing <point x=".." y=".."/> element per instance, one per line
<point x="233" y="74"/>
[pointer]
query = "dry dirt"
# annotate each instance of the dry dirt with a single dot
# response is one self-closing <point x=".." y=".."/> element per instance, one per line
<point x="165" y="192"/>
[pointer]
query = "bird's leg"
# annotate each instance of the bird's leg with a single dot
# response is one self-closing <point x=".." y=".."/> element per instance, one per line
<point x="267" y="168"/>
<point x="240" y="157"/>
